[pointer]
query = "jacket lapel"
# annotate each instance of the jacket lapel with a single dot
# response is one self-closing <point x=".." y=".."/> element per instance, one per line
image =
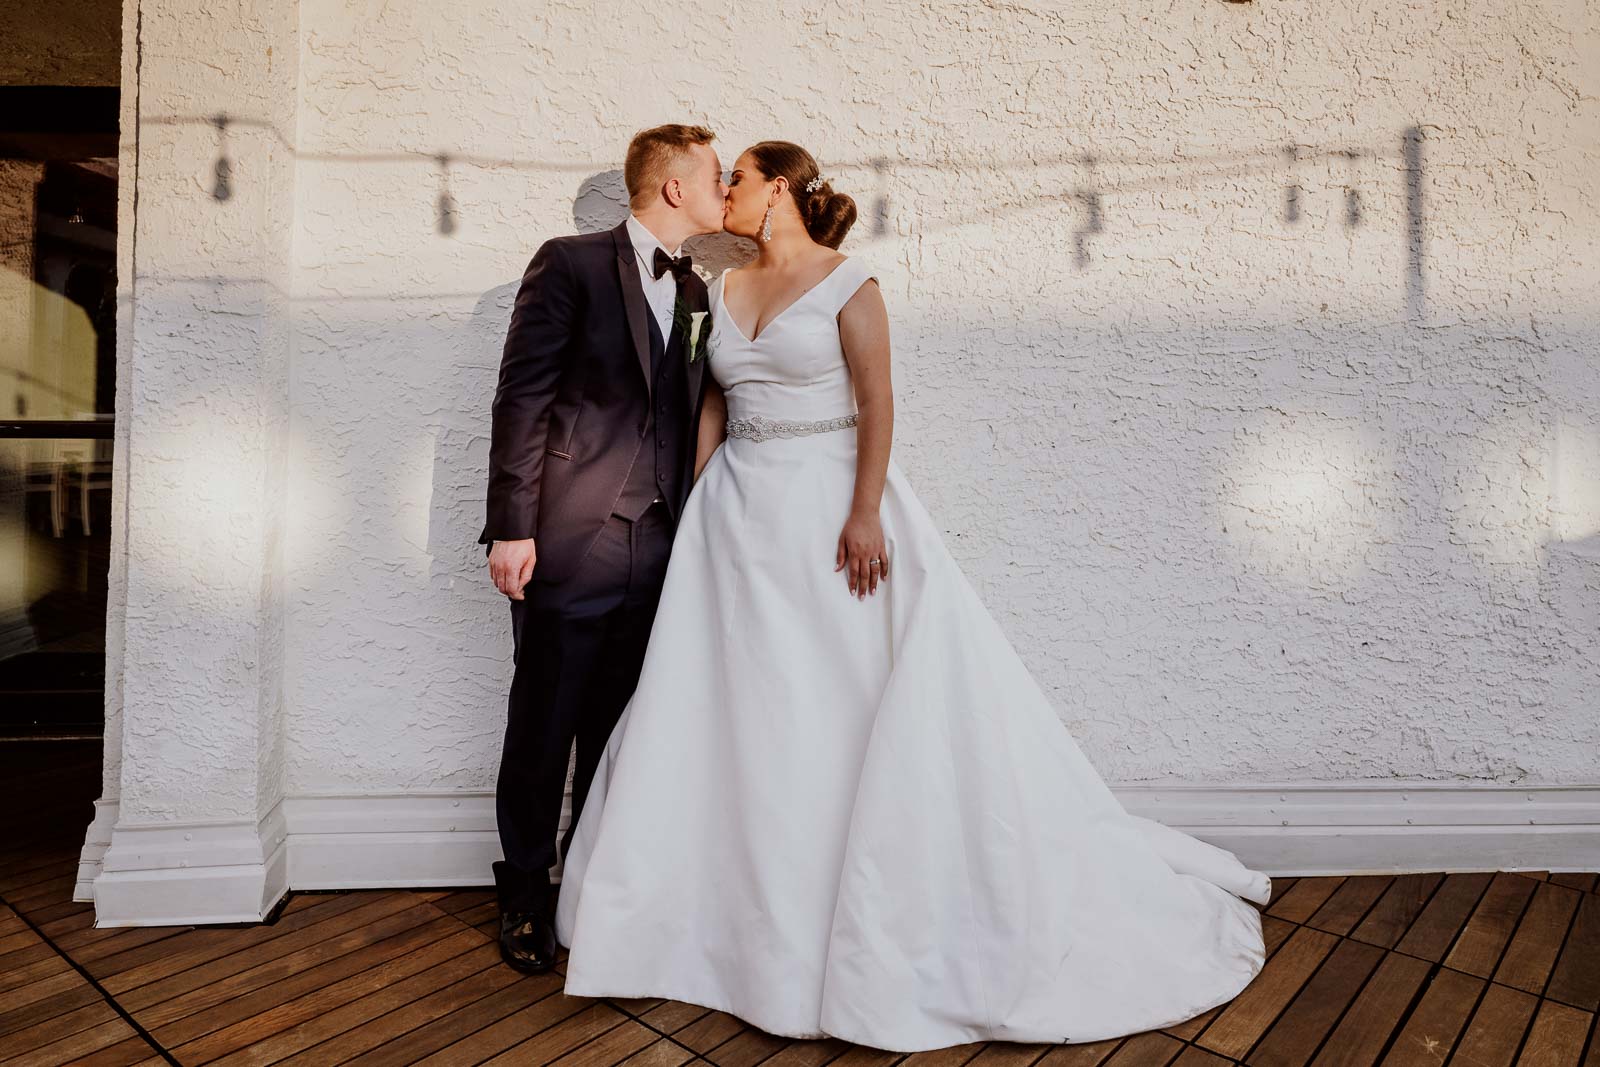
<point x="633" y="301"/>
<point x="699" y="300"/>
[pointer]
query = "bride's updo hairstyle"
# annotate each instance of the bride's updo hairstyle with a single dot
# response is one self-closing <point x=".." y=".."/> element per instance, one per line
<point x="827" y="215"/>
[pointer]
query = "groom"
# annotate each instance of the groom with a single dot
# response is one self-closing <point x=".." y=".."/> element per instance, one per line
<point x="591" y="458"/>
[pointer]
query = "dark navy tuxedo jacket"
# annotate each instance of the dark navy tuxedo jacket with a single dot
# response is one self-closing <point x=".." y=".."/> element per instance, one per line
<point x="574" y="393"/>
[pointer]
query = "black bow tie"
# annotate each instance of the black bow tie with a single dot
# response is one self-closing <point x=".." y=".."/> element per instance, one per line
<point x="680" y="267"/>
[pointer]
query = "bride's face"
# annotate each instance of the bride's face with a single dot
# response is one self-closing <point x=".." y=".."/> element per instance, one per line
<point x="749" y="193"/>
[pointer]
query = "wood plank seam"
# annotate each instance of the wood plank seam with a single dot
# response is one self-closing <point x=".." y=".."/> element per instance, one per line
<point x="1591" y="1050"/>
<point x="1333" y="1027"/>
<point x="616" y="1007"/>
<point x="1400" y="1024"/>
<point x="466" y="1035"/>
<point x="1424" y="959"/>
<point x="463" y="1006"/>
<point x="1477" y="1003"/>
<point x="1566" y="936"/>
<point x="1507" y="940"/>
<point x="93" y="984"/>
<point x="1410" y="1009"/>
<point x="1435" y="967"/>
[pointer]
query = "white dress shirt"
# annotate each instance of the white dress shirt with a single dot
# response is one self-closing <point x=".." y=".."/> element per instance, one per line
<point x="659" y="292"/>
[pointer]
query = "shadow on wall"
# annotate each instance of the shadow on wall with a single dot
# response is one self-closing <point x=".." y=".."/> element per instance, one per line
<point x="1061" y="447"/>
<point x="1292" y="500"/>
<point x="601" y="196"/>
<point x="401" y="646"/>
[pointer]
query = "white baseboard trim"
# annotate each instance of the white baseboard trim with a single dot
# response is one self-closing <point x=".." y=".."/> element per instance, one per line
<point x="96" y="839"/>
<point x="191" y="873"/>
<point x="1339" y="828"/>
<point x="233" y="872"/>
<point x="344" y="841"/>
<point x="389" y="840"/>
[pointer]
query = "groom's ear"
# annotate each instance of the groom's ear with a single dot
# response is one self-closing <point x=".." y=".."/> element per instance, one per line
<point x="672" y="192"/>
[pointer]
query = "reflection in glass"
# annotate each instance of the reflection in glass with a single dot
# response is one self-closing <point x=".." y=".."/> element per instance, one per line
<point x="58" y="207"/>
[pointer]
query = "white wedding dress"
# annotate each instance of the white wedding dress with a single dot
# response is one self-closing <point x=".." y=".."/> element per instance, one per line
<point x="862" y="818"/>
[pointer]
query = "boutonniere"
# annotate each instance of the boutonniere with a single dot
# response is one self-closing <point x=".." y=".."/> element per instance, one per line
<point x="692" y="325"/>
<point x="697" y="321"/>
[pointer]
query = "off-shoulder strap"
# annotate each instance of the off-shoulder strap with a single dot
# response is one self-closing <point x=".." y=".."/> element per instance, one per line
<point x="714" y="290"/>
<point x="843" y="283"/>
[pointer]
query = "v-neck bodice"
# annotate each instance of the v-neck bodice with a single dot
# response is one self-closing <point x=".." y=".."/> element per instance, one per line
<point x="795" y="367"/>
<point x="819" y="284"/>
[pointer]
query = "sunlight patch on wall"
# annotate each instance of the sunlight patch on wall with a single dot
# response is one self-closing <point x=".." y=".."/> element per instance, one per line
<point x="1300" y="500"/>
<point x="1575" y="481"/>
<point x="1495" y="496"/>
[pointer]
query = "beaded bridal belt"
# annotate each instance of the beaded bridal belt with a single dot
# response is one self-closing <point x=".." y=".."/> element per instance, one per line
<point x="762" y="428"/>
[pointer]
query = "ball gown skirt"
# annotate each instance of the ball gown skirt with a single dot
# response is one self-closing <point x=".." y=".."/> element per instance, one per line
<point x="863" y="818"/>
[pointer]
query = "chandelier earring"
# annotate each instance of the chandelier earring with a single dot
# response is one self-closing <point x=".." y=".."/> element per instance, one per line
<point x="766" y="225"/>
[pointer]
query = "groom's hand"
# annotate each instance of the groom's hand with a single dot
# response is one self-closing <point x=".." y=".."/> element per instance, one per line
<point x="511" y="565"/>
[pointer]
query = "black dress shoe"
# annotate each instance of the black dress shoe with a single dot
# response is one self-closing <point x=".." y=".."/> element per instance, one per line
<point x="527" y="941"/>
<point x="527" y="931"/>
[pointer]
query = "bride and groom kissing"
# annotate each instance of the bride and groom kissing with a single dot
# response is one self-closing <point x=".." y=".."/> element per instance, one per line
<point x="815" y="786"/>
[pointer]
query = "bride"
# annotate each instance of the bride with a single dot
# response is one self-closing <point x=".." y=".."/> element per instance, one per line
<point x="837" y="803"/>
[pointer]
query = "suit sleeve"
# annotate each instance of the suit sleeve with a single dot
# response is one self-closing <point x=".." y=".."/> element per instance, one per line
<point x="530" y="372"/>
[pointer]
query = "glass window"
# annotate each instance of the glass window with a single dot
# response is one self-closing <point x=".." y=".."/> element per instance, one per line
<point x="58" y="214"/>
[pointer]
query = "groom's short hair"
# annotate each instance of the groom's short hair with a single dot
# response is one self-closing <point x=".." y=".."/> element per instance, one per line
<point x="652" y="153"/>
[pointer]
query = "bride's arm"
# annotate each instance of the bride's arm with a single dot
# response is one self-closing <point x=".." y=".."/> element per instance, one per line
<point x="864" y="333"/>
<point x="713" y="426"/>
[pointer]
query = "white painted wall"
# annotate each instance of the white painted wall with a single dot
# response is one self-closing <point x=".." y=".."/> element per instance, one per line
<point x="1245" y="353"/>
<point x="1251" y="502"/>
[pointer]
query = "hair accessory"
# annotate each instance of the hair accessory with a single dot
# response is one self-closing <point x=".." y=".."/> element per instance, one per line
<point x="814" y="184"/>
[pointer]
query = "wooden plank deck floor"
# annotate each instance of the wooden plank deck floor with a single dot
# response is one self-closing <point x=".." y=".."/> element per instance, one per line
<point x="1481" y="970"/>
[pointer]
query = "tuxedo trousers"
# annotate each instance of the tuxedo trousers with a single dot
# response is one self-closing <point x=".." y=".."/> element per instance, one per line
<point x="578" y="646"/>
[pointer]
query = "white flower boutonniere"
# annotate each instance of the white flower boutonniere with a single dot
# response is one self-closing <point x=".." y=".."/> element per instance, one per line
<point x="696" y="321"/>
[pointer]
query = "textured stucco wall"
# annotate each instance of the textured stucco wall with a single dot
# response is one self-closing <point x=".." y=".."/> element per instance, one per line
<point x="1244" y="353"/>
<point x="195" y="643"/>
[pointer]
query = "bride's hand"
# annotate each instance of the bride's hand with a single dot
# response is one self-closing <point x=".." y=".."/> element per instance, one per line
<point x="860" y="542"/>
